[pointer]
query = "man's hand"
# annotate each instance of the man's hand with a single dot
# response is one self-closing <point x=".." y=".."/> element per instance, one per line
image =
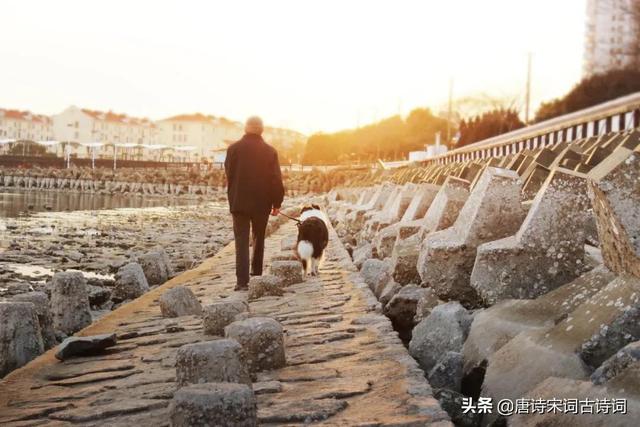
<point x="275" y="211"/>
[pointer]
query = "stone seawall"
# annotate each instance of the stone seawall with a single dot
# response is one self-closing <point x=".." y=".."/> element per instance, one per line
<point x="105" y="186"/>
<point x="519" y="279"/>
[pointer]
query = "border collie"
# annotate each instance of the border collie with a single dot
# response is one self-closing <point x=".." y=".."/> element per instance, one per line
<point x="313" y="237"/>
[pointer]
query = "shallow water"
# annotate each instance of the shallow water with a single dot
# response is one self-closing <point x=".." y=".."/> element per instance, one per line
<point x="42" y="273"/>
<point x="17" y="203"/>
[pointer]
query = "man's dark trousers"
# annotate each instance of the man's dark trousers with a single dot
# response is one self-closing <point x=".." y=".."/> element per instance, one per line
<point x="241" y="225"/>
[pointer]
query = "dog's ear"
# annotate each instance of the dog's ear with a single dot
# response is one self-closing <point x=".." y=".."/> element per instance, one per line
<point x="315" y="207"/>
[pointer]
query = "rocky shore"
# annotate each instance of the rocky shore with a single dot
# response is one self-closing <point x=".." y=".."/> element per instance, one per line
<point x="194" y="181"/>
<point x="99" y="243"/>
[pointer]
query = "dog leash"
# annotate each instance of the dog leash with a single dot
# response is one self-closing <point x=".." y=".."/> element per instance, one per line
<point x="298" y="222"/>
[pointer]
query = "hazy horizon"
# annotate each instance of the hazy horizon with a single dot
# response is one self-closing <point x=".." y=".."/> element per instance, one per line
<point x="306" y="66"/>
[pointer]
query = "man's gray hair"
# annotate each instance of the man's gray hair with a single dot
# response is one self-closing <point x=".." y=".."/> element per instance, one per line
<point x="254" y="125"/>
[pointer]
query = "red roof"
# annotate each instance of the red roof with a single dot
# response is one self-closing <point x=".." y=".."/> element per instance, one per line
<point x="25" y="115"/>
<point x="112" y="117"/>
<point x="196" y="117"/>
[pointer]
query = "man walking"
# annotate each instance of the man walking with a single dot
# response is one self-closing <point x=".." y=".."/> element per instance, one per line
<point x="254" y="187"/>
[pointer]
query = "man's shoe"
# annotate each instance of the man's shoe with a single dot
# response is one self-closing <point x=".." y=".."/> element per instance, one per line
<point x="241" y="287"/>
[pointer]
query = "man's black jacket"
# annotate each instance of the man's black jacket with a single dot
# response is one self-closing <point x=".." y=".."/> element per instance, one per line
<point x="254" y="181"/>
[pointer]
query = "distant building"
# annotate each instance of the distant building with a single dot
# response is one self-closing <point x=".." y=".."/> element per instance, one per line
<point x="24" y="125"/>
<point x="198" y="134"/>
<point x="98" y="131"/>
<point x="209" y="136"/>
<point x="83" y="132"/>
<point x="611" y="35"/>
<point x="281" y="137"/>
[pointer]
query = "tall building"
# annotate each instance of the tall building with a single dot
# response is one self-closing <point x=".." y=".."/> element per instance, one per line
<point x="611" y="35"/>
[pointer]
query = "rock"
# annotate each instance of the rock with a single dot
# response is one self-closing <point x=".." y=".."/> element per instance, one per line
<point x="424" y="197"/>
<point x="130" y="282"/>
<point x="290" y="272"/>
<point x="284" y="256"/>
<point x="267" y="387"/>
<point x="213" y="404"/>
<point x="389" y="290"/>
<point x="402" y="309"/>
<point x="267" y="285"/>
<point x="262" y="340"/>
<point x="69" y="302"/>
<point x="221" y="360"/>
<point x="492" y="211"/>
<point x="41" y="304"/>
<point x="445" y="329"/>
<point x="391" y="213"/>
<point x="546" y="252"/>
<point x="218" y="315"/>
<point x="83" y="346"/>
<point x="495" y="326"/>
<point x="570" y="390"/>
<point x="404" y="260"/>
<point x="400" y="241"/>
<point x="156" y="267"/>
<point x="613" y="366"/>
<point x="447" y="373"/>
<point x="559" y="350"/>
<point x="354" y="220"/>
<point x="376" y="274"/>
<point x="624" y="329"/>
<point x="385" y="240"/>
<point x="361" y="254"/>
<point x="20" y="336"/>
<point x="427" y="302"/>
<point x="447" y="204"/>
<point x="614" y="189"/>
<point x="452" y="402"/>
<point x="179" y="301"/>
<point x="98" y="295"/>
<point x="74" y="256"/>
<point x="289" y="243"/>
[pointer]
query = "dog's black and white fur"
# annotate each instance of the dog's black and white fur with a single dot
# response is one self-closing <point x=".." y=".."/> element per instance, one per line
<point x="313" y="237"/>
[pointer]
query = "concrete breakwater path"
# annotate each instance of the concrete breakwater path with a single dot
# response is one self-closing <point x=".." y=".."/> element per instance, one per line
<point x="344" y="363"/>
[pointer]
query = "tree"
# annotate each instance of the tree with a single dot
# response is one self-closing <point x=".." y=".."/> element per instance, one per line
<point x="422" y="126"/>
<point x="27" y="148"/>
<point x="389" y="139"/>
<point x="591" y="91"/>
<point x="489" y="124"/>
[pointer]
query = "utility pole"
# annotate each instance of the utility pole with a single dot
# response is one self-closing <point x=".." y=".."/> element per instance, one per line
<point x="528" y="90"/>
<point x="450" y="110"/>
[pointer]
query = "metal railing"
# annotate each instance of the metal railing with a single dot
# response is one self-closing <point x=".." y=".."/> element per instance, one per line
<point x="617" y="115"/>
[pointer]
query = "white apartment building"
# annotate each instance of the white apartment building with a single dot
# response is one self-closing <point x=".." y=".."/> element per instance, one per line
<point x="82" y="132"/>
<point x="206" y="136"/>
<point x="610" y="35"/>
<point x="100" y="131"/>
<point x="197" y="134"/>
<point x="24" y="125"/>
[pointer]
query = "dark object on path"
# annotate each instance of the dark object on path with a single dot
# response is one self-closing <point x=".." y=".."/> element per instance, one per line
<point x="81" y="346"/>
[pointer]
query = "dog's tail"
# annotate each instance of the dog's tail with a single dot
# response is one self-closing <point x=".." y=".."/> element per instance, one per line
<point x="305" y="249"/>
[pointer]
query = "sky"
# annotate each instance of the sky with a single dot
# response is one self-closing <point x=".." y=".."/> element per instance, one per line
<point x="307" y="65"/>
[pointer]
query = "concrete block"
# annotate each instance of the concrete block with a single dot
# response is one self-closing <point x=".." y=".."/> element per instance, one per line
<point x="546" y="252"/>
<point x="492" y="211"/>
